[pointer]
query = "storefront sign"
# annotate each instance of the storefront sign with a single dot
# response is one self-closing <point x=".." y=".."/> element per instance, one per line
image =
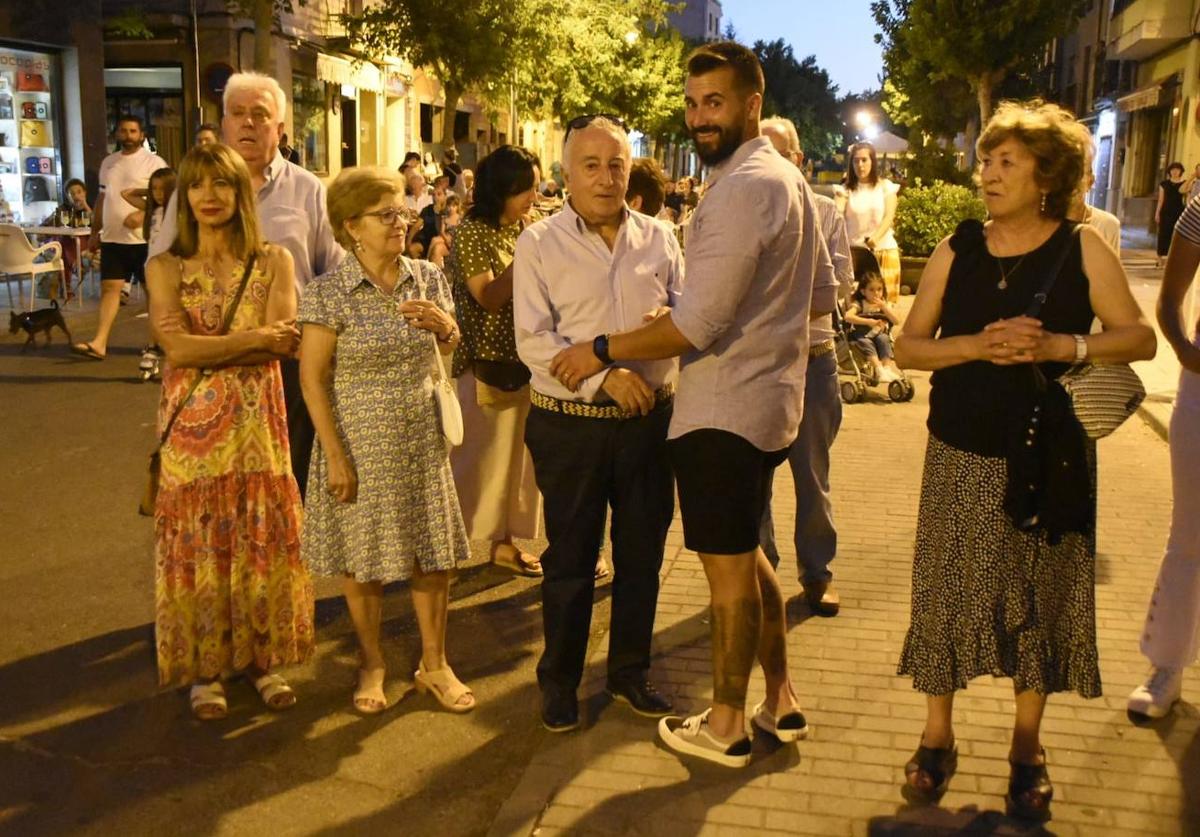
<point x="1147" y="97"/>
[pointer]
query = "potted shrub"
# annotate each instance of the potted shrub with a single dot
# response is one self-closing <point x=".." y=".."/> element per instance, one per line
<point x="924" y="216"/>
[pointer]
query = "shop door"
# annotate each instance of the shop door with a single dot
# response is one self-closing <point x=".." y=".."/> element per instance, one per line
<point x="349" y="133"/>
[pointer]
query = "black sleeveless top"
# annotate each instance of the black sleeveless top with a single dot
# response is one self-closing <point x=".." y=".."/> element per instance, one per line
<point x="974" y="406"/>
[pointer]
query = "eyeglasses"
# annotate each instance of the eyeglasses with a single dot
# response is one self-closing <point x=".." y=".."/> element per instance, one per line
<point x="583" y="121"/>
<point x="390" y="216"/>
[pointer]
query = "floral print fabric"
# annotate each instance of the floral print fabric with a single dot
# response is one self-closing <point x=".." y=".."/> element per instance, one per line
<point x="230" y="589"/>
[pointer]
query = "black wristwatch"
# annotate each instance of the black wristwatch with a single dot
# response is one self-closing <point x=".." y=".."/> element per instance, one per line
<point x="600" y="349"/>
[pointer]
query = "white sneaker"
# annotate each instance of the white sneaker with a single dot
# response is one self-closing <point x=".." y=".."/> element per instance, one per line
<point x="1158" y="694"/>
<point x="788" y="727"/>
<point x="692" y="736"/>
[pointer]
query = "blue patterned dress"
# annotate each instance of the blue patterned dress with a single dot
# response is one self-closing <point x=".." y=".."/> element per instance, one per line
<point x="407" y="508"/>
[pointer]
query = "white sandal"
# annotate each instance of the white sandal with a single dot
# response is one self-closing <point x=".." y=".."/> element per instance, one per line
<point x="369" y="698"/>
<point x="445" y="687"/>
<point x="270" y="687"/>
<point x="208" y="701"/>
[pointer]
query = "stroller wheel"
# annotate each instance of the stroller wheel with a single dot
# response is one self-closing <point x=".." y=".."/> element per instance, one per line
<point x="896" y="391"/>
<point x="849" y="392"/>
<point x="909" y="390"/>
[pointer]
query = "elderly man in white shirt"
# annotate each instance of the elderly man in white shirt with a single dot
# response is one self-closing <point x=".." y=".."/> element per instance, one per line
<point x="593" y="268"/>
<point x="291" y="212"/>
<point x="815" y="535"/>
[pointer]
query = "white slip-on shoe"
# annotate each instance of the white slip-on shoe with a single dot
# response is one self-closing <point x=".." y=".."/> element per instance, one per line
<point x="790" y="726"/>
<point x="693" y="737"/>
<point x="1158" y="694"/>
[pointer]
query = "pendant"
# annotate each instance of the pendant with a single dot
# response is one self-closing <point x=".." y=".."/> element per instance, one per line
<point x="1002" y="284"/>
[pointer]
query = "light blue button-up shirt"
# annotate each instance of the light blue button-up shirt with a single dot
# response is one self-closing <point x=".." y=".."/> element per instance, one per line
<point x="569" y="287"/>
<point x="291" y="213"/>
<point x="751" y="261"/>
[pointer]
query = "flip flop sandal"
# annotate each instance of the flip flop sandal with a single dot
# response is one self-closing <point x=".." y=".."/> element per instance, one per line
<point x="86" y="350"/>
<point x="276" y="694"/>
<point x="602" y="570"/>
<point x="938" y="763"/>
<point x="369" y="698"/>
<point x="1029" y="791"/>
<point x="208" y="701"/>
<point x="516" y="561"/>
<point x="447" y="689"/>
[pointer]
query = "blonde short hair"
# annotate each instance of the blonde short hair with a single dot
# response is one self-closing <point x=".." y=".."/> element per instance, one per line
<point x="1050" y="134"/>
<point x="257" y="82"/>
<point x="353" y="191"/>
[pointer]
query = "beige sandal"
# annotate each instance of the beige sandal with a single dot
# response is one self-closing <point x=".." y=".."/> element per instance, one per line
<point x="369" y="698"/>
<point x="445" y="687"/>
<point x="208" y="701"/>
<point x="275" y="692"/>
<point x="511" y="558"/>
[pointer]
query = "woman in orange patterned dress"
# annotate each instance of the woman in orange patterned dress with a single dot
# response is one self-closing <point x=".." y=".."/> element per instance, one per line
<point x="231" y="594"/>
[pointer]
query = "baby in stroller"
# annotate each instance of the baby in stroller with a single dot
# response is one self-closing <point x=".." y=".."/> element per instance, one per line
<point x="871" y="319"/>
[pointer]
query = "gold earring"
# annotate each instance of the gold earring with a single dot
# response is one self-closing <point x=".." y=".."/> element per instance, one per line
<point x="1043" y="207"/>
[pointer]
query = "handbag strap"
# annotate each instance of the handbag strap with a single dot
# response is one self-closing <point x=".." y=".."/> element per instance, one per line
<point x="1039" y="298"/>
<point x="203" y="373"/>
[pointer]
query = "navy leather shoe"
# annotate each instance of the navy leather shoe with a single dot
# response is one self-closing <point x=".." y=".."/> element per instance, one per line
<point x="560" y="712"/>
<point x="641" y="695"/>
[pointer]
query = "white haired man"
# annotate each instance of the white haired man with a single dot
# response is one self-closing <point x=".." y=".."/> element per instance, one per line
<point x="593" y="268"/>
<point x="815" y="536"/>
<point x="291" y="211"/>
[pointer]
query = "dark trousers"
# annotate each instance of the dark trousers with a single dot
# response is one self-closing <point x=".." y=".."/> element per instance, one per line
<point x="815" y="536"/>
<point x="583" y="466"/>
<point x="300" y="427"/>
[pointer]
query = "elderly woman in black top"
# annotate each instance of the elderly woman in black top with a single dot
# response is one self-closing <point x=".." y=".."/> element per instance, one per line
<point x="1003" y="585"/>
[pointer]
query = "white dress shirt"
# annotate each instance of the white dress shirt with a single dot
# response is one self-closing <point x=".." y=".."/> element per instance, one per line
<point x="291" y="213"/>
<point x="568" y="287"/>
<point x="119" y="172"/>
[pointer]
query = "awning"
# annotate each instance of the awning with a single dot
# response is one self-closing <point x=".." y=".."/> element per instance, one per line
<point x="889" y="143"/>
<point x="1147" y="97"/>
<point x="364" y="76"/>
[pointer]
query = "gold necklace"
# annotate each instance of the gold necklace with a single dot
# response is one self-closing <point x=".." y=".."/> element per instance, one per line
<point x="1004" y="274"/>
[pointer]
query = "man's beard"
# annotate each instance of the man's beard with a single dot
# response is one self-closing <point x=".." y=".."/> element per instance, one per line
<point x="130" y="145"/>
<point x="727" y="142"/>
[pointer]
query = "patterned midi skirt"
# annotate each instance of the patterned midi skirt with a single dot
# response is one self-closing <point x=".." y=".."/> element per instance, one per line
<point x="988" y="598"/>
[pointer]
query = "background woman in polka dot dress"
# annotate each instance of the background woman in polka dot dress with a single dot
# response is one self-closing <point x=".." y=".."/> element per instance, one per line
<point x="492" y="467"/>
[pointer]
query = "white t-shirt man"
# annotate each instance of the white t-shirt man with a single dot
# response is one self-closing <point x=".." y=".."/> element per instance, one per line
<point x="119" y="172"/>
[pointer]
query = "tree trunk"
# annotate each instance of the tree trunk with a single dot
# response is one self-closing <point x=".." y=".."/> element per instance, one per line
<point x="970" y="135"/>
<point x="984" y="86"/>
<point x="453" y="94"/>
<point x="264" y="23"/>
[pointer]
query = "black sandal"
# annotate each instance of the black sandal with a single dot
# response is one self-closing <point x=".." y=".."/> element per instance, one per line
<point x="938" y="763"/>
<point x="1029" y="791"/>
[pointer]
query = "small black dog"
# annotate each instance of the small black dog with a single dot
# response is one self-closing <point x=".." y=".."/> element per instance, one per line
<point x="35" y="321"/>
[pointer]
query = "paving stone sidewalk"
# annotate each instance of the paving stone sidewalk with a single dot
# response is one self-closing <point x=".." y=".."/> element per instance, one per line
<point x="1110" y="776"/>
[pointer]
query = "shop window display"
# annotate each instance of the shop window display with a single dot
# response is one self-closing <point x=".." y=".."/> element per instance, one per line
<point x="30" y="161"/>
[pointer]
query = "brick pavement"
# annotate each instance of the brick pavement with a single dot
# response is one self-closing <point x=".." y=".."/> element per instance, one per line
<point x="1110" y="776"/>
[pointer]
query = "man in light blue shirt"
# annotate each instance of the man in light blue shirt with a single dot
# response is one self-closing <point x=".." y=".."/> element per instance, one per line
<point x="291" y="212"/>
<point x="741" y="328"/>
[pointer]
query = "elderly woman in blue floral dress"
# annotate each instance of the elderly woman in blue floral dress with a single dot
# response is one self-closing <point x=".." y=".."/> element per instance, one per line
<point x="381" y="505"/>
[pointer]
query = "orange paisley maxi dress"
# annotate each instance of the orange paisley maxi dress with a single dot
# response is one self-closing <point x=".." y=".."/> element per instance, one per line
<point x="230" y="589"/>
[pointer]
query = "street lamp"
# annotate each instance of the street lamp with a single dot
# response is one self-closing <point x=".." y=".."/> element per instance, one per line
<point x="631" y="37"/>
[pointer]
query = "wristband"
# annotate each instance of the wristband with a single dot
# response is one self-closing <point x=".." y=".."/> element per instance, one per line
<point x="1081" y="348"/>
<point x="600" y="349"/>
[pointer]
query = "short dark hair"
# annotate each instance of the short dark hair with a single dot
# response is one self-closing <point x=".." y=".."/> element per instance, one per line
<point x="411" y="155"/>
<point x="129" y="117"/>
<point x="208" y="126"/>
<point x="505" y="172"/>
<point x="747" y="71"/>
<point x="73" y="181"/>
<point x="1176" y="165"/>
<point x="450" y="153"/>
<point x="647" y="181"/>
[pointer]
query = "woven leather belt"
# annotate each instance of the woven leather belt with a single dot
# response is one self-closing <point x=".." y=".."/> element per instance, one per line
<point x="597" y="411"/>
<point x="820" y="349"/>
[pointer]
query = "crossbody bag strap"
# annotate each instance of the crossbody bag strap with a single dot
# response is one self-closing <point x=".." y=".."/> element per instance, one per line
<point x="1039" y="298"/>
<point x="203" y="373"/>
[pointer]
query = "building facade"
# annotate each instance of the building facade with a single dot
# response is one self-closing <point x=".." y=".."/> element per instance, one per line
<point x="698" y="20"/>
<point x="1131" y="71"/>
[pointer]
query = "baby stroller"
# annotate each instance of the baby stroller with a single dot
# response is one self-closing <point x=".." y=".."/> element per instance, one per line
<point x="855" y="369"/>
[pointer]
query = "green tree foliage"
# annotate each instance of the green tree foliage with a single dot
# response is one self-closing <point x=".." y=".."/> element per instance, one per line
<point x="557" y="58"/>
<point x="927" y="214"/>
<point x="980" y="42"/>
<point x="802" y="92"/>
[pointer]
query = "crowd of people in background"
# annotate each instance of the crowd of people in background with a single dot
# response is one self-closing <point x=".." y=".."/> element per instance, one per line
<point x="614" y="336"/>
